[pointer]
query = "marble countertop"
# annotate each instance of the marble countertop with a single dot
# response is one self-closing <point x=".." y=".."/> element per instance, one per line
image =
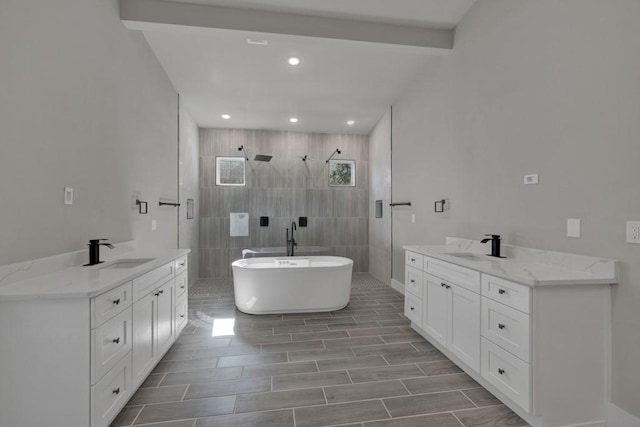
<point x="532" y="267"/>
<point x="86" y="282"/>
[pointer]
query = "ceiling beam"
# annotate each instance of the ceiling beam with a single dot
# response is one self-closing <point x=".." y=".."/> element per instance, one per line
<point x="147" y="14"/>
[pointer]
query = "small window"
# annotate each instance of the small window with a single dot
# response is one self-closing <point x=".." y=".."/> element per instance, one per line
<point x="342" y="173"/>
<point x="230" y="171"/>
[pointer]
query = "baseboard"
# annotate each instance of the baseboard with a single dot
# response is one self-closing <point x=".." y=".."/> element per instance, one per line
<point x="398" y="286"/>
<point x="618" y="417"/>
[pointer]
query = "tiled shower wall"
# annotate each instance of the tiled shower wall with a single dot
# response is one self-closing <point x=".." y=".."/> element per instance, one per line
<point x="283" y="189"/>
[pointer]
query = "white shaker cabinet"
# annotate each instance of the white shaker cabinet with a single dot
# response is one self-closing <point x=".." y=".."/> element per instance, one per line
<point x="450" y="316"/>
<point x="153" y="326"/>
<point x="539" y="342"/>
<point x="75" y="356"/>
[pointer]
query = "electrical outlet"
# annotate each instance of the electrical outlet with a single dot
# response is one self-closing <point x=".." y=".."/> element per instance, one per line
<point x="633" y="232"/>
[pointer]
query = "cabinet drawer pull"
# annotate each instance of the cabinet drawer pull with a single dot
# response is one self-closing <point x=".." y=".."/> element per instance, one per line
<point x="117" y="340"/>
<point x="181" y="265"/>
<point x="182" y="287"/>
<point x="156" y="294"/>
<point x="501" y="325"/>
<point x="501" y="371"/>
<point x="412" y="308"/>
<point x="116" y="391"/>
<point x="502" y="291"/>
<point x="182" y="315"/>
<point x="116" y="301"/>
<point x="413" y="260"/>
<point x="444" y="285"/>
<point x="412" y="281"/>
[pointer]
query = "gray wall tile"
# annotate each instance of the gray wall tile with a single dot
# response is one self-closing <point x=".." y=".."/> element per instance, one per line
<point x="283" y="189"/>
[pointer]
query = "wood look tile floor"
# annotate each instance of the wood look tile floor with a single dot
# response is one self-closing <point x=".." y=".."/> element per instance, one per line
<point x="361" y="366"/>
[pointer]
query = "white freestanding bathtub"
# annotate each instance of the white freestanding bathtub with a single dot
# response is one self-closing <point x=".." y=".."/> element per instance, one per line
<point x="292" y="284"/>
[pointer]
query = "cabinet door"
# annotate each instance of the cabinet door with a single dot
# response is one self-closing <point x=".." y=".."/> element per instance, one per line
<point x="166" y="315"/>
<point x="435" y="310"/>
<point x="464" y="326"/>
<point x="145" y="350"/>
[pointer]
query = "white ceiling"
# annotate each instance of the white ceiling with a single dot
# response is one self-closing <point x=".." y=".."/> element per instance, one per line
<point x="216" y="71"/>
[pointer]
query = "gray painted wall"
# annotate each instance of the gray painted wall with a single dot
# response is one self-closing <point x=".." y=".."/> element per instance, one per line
<point x="542" y="87"/>
<point x="188" y="167"/>
<point x="380" y="189"/>
<point x="283" y="189"/>
<point x="85" y="104"/>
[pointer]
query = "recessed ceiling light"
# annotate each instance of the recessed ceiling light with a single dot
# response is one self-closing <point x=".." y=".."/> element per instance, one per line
<point x="293" y="61"/>
<point x="260" y="42"/>
<point x="351" y="122"/>
<point x="293" y="120"/>
<point x="226" y="116"/>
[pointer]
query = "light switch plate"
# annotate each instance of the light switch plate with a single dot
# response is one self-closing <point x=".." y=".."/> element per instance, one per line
<point x="573" y="228"/>
<point x="531" y="179"/>
<point x="633" y="232"/>
<point x="68" y="195"/>
<point x="154" y="225"/>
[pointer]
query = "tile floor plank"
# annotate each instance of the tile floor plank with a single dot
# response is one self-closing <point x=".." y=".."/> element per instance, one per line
<point x="282" y="418"/>
<point x="326" y="415"/>
<point x="279" y="400"/>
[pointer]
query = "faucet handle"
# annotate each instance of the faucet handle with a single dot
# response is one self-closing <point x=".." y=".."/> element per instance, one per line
<point x="96" y="241"/>
<point x="493" y="236"/>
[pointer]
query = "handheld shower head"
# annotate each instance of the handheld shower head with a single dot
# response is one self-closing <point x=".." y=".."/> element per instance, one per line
<point x="241" y="148"/>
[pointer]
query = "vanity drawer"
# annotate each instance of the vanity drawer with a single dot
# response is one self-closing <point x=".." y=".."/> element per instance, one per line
<point x="109" y="343"/>
<point x="181" y="285"/>
<point x="465" y="277"/>
<point x="413" y="309"/>
<point x="144" y="284"/>
<point x="508" y="328"/>
<point x="413" y="281"/>
<point x="413" y="259"/>
<point x="107" y="305"/>
<point x="182" y="314"/>
<point x="181" y="264"/>
<point x="109" y="395"/>
<point x="506" y="292"/>
<point x="507" y="373"/>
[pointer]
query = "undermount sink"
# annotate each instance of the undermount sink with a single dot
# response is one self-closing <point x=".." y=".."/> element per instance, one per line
<point x="468" y="255"/>
<point x="127" y="263"/>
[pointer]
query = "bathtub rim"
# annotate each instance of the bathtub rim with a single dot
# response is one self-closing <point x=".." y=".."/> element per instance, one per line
<point x="243" y="263"/>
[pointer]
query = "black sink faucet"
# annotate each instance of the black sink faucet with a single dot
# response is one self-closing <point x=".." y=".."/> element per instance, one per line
<point x="94" y="250"/>
<point x="495" y="244"/>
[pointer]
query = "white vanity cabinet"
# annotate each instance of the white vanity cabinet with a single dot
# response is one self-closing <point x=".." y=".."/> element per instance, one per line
<point x="541" y="347"/>
<point x="450" y="306"/>
<point x="414" y="288"/>
<point x="153" y="329"/>
<point x="75" y="358"/>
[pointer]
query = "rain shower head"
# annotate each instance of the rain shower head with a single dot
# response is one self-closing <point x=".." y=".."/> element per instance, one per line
<point x="262" y="158"/>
